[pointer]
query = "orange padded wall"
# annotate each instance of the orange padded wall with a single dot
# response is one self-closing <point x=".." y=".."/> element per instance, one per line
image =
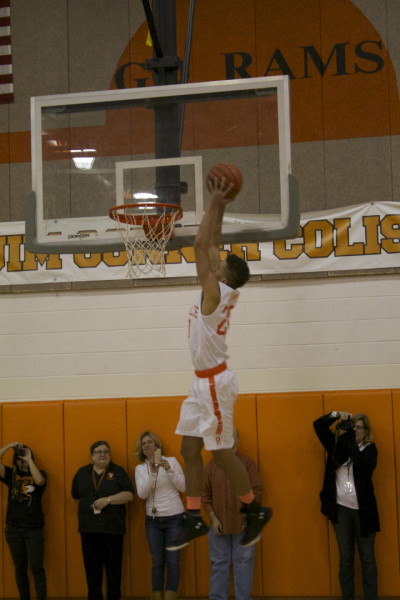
<point x="297" y="555"/>
<point x="292" y="468"/>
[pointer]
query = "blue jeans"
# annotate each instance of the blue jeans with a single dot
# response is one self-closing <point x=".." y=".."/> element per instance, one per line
<point x="27" y="546"/>
<point x="161" y="531"/>
<point x="347" y="530"/>
<point x="224" y="550"/>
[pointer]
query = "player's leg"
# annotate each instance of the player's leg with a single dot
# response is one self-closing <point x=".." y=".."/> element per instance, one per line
<point x="256" y="516"/>
<point x="192" y="442"/>
<point x="227" y="460"/>
<point x="223" y="395"/>
<point x="191" y="448"/>
<point x="193" y="524"/>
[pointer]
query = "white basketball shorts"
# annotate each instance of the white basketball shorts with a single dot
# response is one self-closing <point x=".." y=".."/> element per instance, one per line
<point x="207" y="412"/>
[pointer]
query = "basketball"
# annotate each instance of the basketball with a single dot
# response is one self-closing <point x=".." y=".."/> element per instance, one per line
<point x="230" y="173"/>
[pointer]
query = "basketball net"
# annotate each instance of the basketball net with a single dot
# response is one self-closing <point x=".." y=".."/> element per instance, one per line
<point x="145" y="230"/>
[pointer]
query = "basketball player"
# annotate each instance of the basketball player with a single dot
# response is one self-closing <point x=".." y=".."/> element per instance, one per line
<point x="207" y="413"/>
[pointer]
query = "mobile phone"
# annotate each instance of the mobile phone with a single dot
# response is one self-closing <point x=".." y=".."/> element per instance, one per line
<point x="157" y="456"/>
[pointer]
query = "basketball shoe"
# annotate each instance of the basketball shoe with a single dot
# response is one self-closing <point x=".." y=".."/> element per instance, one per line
<point x="193" y="527"/>
<point x="256" y="518"/>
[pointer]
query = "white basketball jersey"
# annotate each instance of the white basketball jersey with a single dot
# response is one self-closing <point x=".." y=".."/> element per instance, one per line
<point x="207" y="333"/>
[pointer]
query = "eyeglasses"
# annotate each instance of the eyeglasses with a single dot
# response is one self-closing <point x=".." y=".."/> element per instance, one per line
<point x="359" y="427"/>
<point x="101" y="452"/>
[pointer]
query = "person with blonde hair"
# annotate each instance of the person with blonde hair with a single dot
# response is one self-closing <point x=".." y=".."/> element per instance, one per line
<point x="347" y="496"/>
<point x="159" y="480"/>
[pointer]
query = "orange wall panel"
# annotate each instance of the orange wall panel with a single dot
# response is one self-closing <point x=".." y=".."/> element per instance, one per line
<point x="291" y="464"/>
<point x="276" y="431"/>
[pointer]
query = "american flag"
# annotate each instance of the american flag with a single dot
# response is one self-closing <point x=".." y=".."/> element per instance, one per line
<point x="6" y="77"/>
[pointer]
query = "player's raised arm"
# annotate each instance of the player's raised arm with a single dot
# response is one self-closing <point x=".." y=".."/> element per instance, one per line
<point x="206" y="245"/>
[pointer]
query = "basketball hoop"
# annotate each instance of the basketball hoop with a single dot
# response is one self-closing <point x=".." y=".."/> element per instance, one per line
<point x="145" y="229"/>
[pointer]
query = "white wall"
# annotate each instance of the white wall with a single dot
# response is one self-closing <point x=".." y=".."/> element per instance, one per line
<point x="320" y="334"/>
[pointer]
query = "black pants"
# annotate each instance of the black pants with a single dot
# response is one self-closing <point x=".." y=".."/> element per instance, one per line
<point x="347" y="531"/>
<point x="102" y="550"/>
<point x="27" y="548"/>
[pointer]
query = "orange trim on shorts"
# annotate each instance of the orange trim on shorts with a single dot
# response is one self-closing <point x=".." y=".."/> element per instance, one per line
<point x="247" y="498"/>
<point x="193" y="502"/>
<point x="211" y="372"/>
<point x="217" y="411"/>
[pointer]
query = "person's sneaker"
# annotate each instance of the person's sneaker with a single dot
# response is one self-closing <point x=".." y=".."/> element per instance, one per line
<point x="255" y="521"/>
<point x="193" y="527"/>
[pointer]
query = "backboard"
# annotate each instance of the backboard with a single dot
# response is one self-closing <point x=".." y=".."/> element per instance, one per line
<point x="95" y="150"/>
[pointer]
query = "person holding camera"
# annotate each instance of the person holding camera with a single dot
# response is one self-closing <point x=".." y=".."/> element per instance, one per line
<point x="24" y="518"/>
<point x="347" y="496"/>
<point x="159" y="481"/>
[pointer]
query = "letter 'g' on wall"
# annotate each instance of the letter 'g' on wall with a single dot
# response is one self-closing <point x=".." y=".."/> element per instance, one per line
<point x="343" y="82"/>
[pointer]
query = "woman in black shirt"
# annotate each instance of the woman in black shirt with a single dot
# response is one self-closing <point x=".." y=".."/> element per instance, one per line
<point x="24" y="518"/>
<point x="102" y="489"/>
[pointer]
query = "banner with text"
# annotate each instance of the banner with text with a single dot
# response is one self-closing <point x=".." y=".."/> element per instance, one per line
<point x="366" y="236"/>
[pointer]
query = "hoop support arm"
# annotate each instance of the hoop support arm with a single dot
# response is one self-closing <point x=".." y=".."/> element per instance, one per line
<point x="33" y="245"/>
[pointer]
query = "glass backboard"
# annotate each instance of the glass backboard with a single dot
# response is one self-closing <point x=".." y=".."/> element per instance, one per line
<point x="95" y="150"/>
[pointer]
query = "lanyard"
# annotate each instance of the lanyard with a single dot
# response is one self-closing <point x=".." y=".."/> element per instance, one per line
<point x="97" y="483"/>
<point x="153" y="490"/>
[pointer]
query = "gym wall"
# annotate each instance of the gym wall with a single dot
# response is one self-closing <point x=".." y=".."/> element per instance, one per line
<point x="297" y="556"/>
<point x="342" y="57"/>
<point x="83" y="364"/>
<point x="285" y="336"/>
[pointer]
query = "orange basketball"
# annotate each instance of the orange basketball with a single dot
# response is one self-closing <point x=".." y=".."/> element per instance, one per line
<point x="230" y="173"/>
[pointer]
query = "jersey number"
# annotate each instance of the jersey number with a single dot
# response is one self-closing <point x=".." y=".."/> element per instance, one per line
<point x="224" y="324"/>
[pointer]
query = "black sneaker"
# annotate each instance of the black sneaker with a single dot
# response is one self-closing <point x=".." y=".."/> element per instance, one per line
<point x="193" y="527"/>
<point x="255" y="521"/>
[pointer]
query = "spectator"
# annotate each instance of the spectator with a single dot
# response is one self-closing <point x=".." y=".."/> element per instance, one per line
<point x="227" y="520"/>
<point x="102" y="489"/>
<point x="159" y="479"/>
<point x="347" y="496"/>
<point x="25" y="519"/>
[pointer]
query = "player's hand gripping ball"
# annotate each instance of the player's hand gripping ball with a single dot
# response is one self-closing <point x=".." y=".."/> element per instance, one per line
<point x="231" y="175"/>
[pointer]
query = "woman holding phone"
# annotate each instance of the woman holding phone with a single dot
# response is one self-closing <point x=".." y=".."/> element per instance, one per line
<point x="159" y="481"/>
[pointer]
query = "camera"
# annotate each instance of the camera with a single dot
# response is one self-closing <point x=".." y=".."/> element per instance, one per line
<point x="20" y="451"/>
<point x="346" y="425"/>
